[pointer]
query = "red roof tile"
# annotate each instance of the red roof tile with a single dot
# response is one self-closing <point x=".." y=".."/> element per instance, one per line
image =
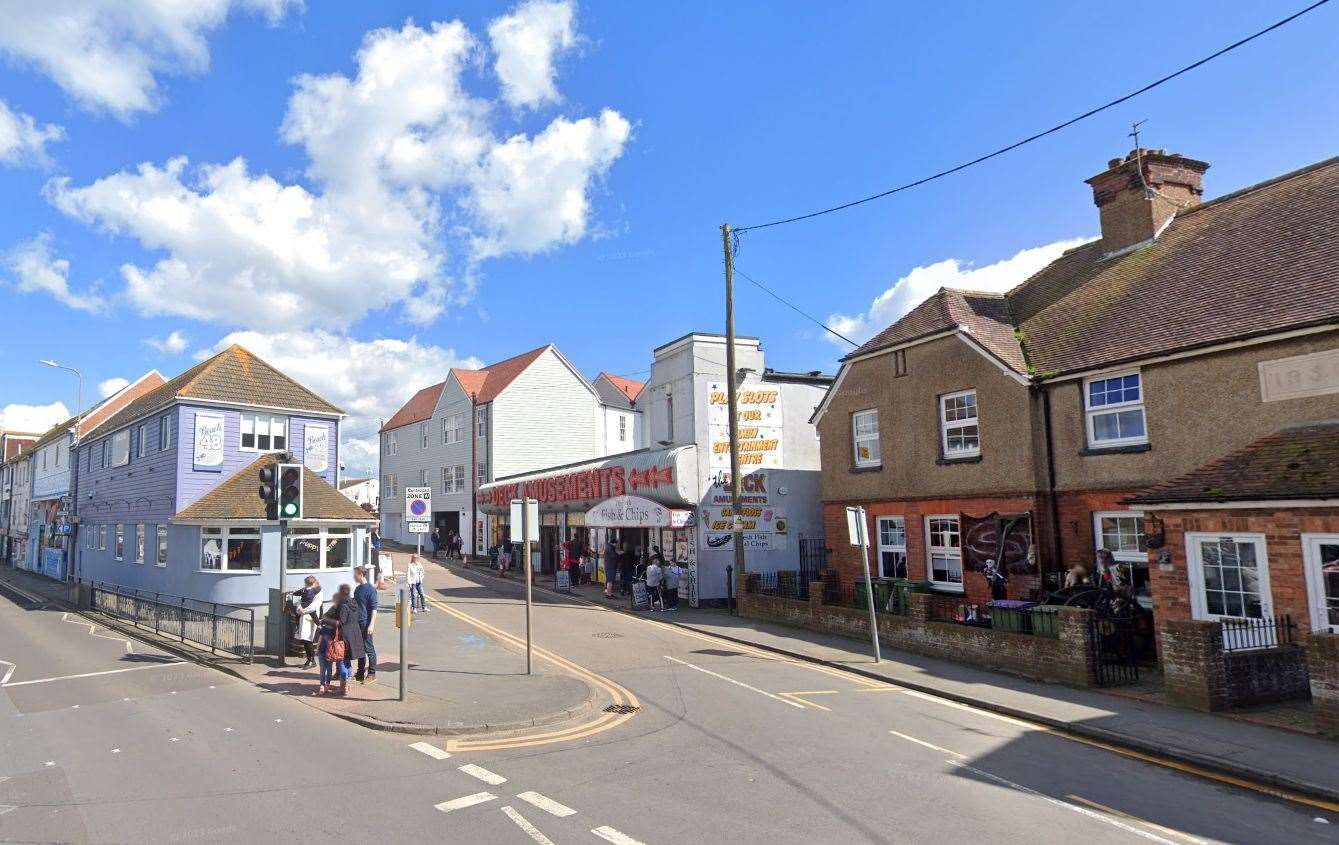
<point x="982" y="316"/>
<point x="417" y="409"/>
<point x="487" y="383"/>
<point x="629" y="387"/>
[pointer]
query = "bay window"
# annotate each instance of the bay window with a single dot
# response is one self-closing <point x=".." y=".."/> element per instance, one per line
<point x="960" y="434"/>
<point x="1114" y="410"/>
<point x="865" y="437"/>
<point x="264" y="433"/>
<point x="943" y="549"/>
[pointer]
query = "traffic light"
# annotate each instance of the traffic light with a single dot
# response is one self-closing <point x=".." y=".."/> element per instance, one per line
<point x="268" y="493"/>
<point x="290" y="491"/>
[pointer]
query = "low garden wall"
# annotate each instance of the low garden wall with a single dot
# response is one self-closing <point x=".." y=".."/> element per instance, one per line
<point x="1322" y="658"/>
<point x="1198" y="672"/>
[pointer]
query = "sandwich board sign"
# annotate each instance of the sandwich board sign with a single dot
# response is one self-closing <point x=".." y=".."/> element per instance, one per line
<point x="418" y="508"/>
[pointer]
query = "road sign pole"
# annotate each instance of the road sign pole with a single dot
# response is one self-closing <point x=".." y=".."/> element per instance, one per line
<point x="525" y="538"/>
<point x="404" y="638"/>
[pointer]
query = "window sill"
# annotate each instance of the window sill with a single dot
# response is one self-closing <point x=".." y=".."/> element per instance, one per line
<point x="1128" y="449"/>
<point x="229" y="571"/>
<point x="868" y="468"/>
<point x="946" y="587"/>
<point x="966" y="459"/>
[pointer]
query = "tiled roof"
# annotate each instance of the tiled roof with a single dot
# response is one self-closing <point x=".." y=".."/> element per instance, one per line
<point x="417" y="409"/>
<point x="16" y="444"/>
<point x="631" y="388"/>
<point x="234" y="375"/>
<point x="54" y="433"/>
<point x="982" y="316"/>
<point x="236" y="498"/>
<point x="486" y="383"/>
<point x="1299" y="462"/>
<point x="1257" y="261"/>
<point x="104" y="411"/>
<point x="346" y="483"/>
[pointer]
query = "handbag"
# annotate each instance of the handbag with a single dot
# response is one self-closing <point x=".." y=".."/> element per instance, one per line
<point x="335" y="650"/>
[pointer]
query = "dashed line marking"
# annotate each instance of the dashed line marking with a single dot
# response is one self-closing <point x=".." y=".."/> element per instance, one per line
<point x="524" y="824"/>
<point x="9" y="673"/>
<point x="547" y="804"/>
<point x="483" y="774"/>
<point x="931" y="746"/>
<point x="466" y="801"/>
<point x="431" y="750"/>
<point x="608" y="834"/>
<point x="736" y="683"/>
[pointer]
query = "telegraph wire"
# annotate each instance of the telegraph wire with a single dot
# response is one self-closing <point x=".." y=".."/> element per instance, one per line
<point x="1002" y="150"/>
<point x="794" y="307"/>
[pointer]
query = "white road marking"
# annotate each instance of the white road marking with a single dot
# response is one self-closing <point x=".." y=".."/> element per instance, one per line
<point x="227" y="730"/>
<point x="608" y="834"/>
<point x="466" y="801"/>
<point x="928" y="745"/>
<point x="96" y="674"/>
<point x="278" y="721"/>
<point x="49" y="763"/>
<point x="175" y="739"/>
<point x="1112" y="811"/>
<point x="977" y="710"/>
<point x="93" y="632"/>
<point x="1083" y="811"/>
<point x="523" y="824"/>
<point x="116" y="751"/>
<point x="736" y="683"/>
<point x="9" y="808"/>
<point x="546" y="804"/>
<point x="9" y="673"/>
<point x="431" y="750"/>
<point x="27" y="595"/>
<point x="72" y="706"/>
<point x="483" y="774"/>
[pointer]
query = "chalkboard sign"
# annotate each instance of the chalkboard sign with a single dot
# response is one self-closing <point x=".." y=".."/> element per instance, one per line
<point x="641" y="599"/>
<point x="564" y="581"/>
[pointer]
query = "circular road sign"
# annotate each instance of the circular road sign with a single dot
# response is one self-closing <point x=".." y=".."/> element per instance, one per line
<point x="418" y="507"/>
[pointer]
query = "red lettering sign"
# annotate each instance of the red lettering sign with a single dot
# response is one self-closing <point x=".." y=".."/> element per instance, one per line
<point x="603" y="483"/>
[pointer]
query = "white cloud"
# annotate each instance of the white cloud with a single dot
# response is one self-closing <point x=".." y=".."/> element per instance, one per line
<point x="913" y="288"/>
<point x="526" y="43"/>
<point x="174" y="344"/>
<point x="36" y="270"/>
<point x="35" y="419"/>
<point x="112" y="385"/>
<point x="23" y="140"/>
<point x="402" y="163"/>
<point x="368" y="379"/>
<point x="108" y="54"/>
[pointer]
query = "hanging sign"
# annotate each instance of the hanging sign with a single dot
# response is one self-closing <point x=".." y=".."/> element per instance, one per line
<point x="316" y="448"/>
<point x="208" y="442"/>
<point x="633" y="512"/>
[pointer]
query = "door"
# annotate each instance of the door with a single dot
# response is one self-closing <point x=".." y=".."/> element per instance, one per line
<point x="1229" y="582"/>
<point x="1320" y="552"/>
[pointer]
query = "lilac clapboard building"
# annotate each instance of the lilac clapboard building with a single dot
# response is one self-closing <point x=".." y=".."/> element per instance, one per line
<point x="168" y="498"/>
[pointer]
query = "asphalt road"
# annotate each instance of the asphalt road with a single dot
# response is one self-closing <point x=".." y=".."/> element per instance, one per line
<point x="728" y="745"/>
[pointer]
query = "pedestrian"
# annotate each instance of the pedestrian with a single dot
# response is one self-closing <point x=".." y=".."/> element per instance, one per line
<point x="655" y="574"/>
<point x="610" y="565"/>
<point x="365" y="597"/>
<point x="307" y="607"/>
<point x="629" y="562"/>
<point x="673" y="574"/>
<point x="341" y="641"/>
<point x="436" y="540"/>
<point x="417" y="601"/>
<point x="459" y="547"/>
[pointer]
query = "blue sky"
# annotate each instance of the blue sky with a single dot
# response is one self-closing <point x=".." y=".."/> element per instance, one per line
<point x="550" y="172"/>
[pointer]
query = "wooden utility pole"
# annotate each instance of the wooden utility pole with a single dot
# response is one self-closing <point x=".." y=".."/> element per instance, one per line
<point x="736" y="488"/>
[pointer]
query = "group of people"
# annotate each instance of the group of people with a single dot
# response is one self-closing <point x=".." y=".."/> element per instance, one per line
<point x="450" y="542"/>
<point x="622" y="566"/>
<point x="341" y="635"/>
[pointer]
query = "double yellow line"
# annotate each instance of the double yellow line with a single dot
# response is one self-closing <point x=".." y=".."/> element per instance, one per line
<point x="618" y="694"/>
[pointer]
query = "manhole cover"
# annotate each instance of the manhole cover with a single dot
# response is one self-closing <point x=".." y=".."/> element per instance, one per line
<point x="719" y="652"/>
<point x="621" y="708"/>
<point x="606" y="635"/>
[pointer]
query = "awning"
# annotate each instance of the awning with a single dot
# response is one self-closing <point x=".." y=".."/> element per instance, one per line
<point x="635" y="512"/>
<point x="665" y="477"/>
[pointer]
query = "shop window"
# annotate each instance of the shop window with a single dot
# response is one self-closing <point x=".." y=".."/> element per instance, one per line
<point x="264" y="433"/>
<point x="943" y="550"/>
<point x="161" y="557"/>
<point x="1114" y="410"/>
<point x="893" y="547"/>
<point x="865" y="437"/>
<point x="229" y="549"/>
<point x="960" y="434"/>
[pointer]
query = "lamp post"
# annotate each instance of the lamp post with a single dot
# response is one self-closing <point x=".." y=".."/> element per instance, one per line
<point x="74" y="454"/>
<point x="79" y="390"/>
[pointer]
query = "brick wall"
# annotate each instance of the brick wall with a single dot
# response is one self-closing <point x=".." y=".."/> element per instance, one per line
<point x="1065" y="659"/>
<point x="1198" y="673"/>
<point x="1322" y="658"/>
<point x="1076" y="509"/>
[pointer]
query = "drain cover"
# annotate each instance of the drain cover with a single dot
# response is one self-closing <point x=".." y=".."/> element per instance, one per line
<point x="621" y="708"/>
<point x="606" y="635"/>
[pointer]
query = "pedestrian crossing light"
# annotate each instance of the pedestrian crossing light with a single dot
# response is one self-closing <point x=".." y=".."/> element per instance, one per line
<point x="290" y="491"/>
<point x="268" y="492"/>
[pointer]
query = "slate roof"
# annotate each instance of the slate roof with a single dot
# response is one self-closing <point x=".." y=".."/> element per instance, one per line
<point x="53" y="434"/>
<point x="1298" y="462"/>
<point x="1261" y="260"/>
<point x="237" y="498"/>
<point x="983" y="316"/>
<point x="234" y="375"/>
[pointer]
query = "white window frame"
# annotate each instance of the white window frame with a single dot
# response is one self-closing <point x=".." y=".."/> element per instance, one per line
<point x="324" y="534"/>
<point x="857" y="439"/>
<point x="622" y="429"/>
<point x="481" y="473"/>
<point x="121" y="448"/>
<point x="1090" y="413"/>
<point x="946" y="425"/>
<point x="1199" y="608"/>
<point x="423" y="477"/>
<point x="1137" y="558"/>
<point x="932" y="550"/>
<point x="102" y="538"/>
<point x="892" y="547"/>
<point x="481" y="423"/>
<point x="143" y="446"/>
<point x="1315" y="584"/>
<point x="139" y="542"/>
<point x="392" y="444"/>
<point x="164" y="432"/>
<point x="160" y="545"/>
<point x="226" y="533"/>
<point x="119" y="547"/>
<point x="255" y="417"/>
<point x="424" y="435"/>
<point x="394" y="483"/>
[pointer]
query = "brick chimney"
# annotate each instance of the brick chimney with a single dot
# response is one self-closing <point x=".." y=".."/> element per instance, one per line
<point x="1131" y="213"/>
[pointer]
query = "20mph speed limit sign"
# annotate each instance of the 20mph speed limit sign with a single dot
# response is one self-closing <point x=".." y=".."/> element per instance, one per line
<point x="418" y="508"/>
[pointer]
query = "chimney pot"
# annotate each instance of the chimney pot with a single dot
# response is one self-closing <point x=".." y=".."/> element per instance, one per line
<point x="1133" y="209"/>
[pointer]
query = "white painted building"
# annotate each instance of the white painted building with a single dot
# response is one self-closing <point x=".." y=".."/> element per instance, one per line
<point x="362" y="491"/>
<point x="620" y="420"/>
<point x="533" y="410"/>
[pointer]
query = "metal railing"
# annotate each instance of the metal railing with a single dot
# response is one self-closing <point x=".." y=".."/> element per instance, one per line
<point x="216" y="626"/>
<point x="1248" y="634"/>
<point x="785" y="584"/>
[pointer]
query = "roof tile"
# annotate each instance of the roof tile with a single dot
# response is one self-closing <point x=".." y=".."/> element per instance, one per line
<point x="236" y="498"/>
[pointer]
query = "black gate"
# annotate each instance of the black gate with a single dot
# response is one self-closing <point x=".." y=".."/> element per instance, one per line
<point x="813" y="560"/>
<point x="1116" y="648"/>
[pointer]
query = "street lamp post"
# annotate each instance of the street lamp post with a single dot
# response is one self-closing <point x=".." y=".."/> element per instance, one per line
<point x="74" y="454"/>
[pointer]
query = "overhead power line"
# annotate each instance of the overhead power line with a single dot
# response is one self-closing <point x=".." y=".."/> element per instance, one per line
<point x="1002" y="150"/>
<point x="793" y="307"/>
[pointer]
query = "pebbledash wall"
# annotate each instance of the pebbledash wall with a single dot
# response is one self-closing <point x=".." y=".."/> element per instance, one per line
<point x="150" y="490"/>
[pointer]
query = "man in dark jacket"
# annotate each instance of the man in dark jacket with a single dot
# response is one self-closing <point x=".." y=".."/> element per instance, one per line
<point x="365" y="597"/>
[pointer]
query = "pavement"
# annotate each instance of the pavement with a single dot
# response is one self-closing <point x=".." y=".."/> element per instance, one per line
<point x="715" y="741"/>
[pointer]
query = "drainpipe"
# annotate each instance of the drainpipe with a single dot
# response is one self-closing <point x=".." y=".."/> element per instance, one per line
<point x="1050" y="478"/>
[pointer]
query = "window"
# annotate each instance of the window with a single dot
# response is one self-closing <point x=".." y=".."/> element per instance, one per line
<point x="453" y="429"/>
<point x="622" y="429"/>
<point x="423" y="434"/>
<point x="391" y="483"/>
<point x="121" y="448"/>
<point x="164" y="433"/>
<point x="899" y="363"/>
<point x="865" y="437"/>
<point x="447" y="479"/>
<point x="161" y="558"/>
<point x="960" y="435"/>
<point x="1114" y="410"/>
<point x="892" y="547"/>
<point x="392" y="444"/>
<point x="105" y="458"/>
<point x="481" y="424"/>
<point x="264" y="433"/>
<point x="423" y="477"/>
<point x="44" y="454"/>
<point x="482" y="475"/>
<point x="1320" y="554"/>
<point x="143" y="441"/>
<point x="102" y="538"/>
<point x="944" y="551"/>
<point x="1229" y="581"/>
<point x="230" y="549"/>
<point x="669" y="416"/>
<point x="58" y="452"/>
<point x="120" y="549"/>
<point x="1122" y="534"/>
<point x="319" y="548"/>
<point x="139" y="542"/>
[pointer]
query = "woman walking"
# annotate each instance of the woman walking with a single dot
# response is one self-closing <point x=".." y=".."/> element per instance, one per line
<point x="341" y="641"/>
<point x="307" y="606"/>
